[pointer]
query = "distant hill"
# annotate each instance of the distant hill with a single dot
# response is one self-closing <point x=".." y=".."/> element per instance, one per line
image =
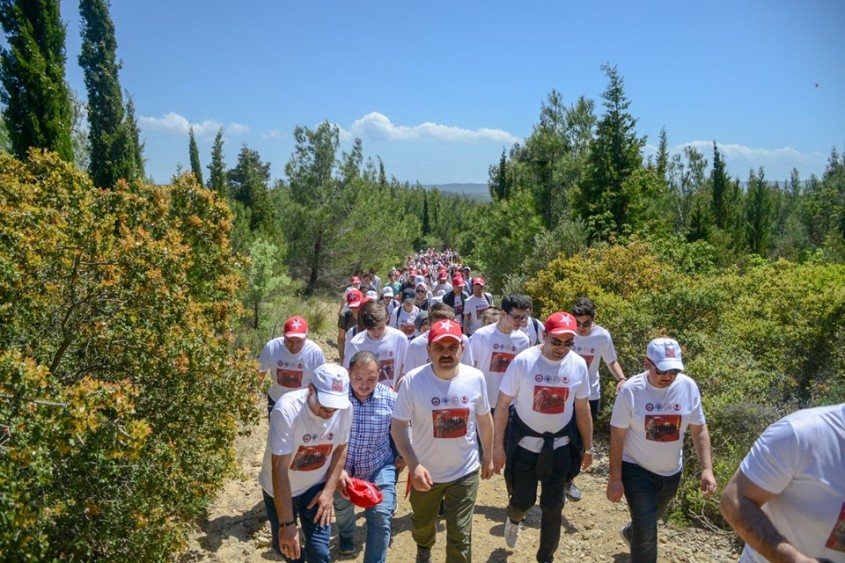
<point x="474" y="191"/>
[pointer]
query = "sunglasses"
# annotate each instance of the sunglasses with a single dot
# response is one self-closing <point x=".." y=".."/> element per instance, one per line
<point x="672" y="372"/>
<point x="558" y="343"/>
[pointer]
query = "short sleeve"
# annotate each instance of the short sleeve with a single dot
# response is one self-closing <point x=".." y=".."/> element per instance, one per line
<point x="582" y="391"/>
<point x="773" y="459"/>
<point x="482" y="404"/>
<point x="511" y="380"/>
<point x="264" y="358"/>
<point x="621" y="417"/>
<point x="609" y="355"/>
<point x="281" y="432"/>
<point x="404" y="400"/>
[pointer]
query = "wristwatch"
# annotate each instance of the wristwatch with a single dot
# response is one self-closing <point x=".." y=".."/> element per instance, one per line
<point x="286" y="524"/>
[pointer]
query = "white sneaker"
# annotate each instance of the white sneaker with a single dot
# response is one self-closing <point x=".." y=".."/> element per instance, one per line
<point x="511" y="533"/>
<point x="625" y="532"/>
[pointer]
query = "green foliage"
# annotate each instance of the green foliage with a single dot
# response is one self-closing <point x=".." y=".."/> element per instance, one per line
<point x="115" y="148"/>
<point x="217" y="168"/>
<point x="116" y="369"/>
<point x="248" y="182"/>
<point x="759" y="214"/>
<point x="194" y="153"/>
<point x="38" y="111"/>
<point x="263" y="279"/>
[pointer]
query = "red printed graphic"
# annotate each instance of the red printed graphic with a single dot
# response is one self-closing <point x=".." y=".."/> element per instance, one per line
<point x="500" y="361"/>
<point x="385" y="371"/>
<point x="289" y="378"/>
<point x="450" y="423"/>
<point x="836" y="541"/>
<point x="587" y="358"/>
<point x="550" y="400"/>
<point x="663" y="427"/>
<point x="479" y="312"/>
<point x="407" y="330"/>
<point x="309" y="458"/>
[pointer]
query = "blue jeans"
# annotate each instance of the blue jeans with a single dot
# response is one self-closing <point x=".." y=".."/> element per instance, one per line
<point x="648" y="494"/>
<point x="316" y="548"/>
<point x="378" y="517"/>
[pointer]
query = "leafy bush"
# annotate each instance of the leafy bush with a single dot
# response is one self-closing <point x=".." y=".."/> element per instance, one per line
<point x="117" y="375"/>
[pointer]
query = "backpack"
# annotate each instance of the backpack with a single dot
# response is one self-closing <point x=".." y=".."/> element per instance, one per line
<point x="536" y="324"/>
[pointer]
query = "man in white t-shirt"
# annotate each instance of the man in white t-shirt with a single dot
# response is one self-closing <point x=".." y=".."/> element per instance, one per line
<point x="386" y="343"/>
<point x="417" y="354"/>
<point x="787" y="499"/>
<point x="306" y="450"/>
<point x="446" y="403"/>
<point x="475" y="306"/>
<point x="650" y="417"/>
<point x="593" y="343"/>
<point x="549" y="388"/>
<point x="291" y="359"/>
<point x="403" y="317"/>
<point x="494" y="346"/>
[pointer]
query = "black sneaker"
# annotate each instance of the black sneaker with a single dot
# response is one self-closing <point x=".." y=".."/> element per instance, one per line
<point x="625" y="532"/>
<point x="423" y="554"/>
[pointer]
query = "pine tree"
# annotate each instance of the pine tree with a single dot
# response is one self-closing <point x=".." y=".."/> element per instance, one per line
<point x="759" y="214"/>
<point x="113" y="153"/>
<point x="615" y="154"/>
<point x="719" y="187"/>
<point x="217" y="168"/>
<point x="248" y="181"/>
<point x="196" y="167"/>
<point x="38" y="110"/>
<point x="133" y="133"/>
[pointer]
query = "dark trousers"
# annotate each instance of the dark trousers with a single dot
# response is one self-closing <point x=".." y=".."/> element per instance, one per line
<point x="648" y="494"/>
<point x="316" y="548"/>
<point x="521" y="471"/>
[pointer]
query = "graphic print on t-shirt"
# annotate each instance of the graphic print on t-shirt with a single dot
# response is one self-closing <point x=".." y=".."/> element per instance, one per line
<point x="587" y="358"/>
<point x="385" y="371"/>
<point x="663" y="427"/>
<point x="550" y="400"/>
<point x="309" y="458"/>
<point x="499" y="361"/>
<point x="836" y="541"/>
<point x="449" y="423"/>
<point x="479" y="312"/>
<point x="289" y="378"/>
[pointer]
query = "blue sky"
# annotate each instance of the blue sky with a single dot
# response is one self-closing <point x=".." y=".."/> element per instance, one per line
<point x="438" y="89"/>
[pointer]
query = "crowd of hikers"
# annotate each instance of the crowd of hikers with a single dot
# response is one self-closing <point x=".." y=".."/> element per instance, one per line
<point x="436" y="378"/>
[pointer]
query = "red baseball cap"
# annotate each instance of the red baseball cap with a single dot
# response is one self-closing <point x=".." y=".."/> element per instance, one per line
<point x="559" y="324"/>
<point x="458" y="281"/>
<point x="353" y="298"/>
<point x="356" y="279"/>
<point x="296" y="327"/>
<point x="444" y="329"/>
<point x="363" y="493"/>
<point x="478" y="281"/>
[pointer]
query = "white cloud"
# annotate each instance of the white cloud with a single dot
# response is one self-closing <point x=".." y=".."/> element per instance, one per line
<point x="378" y="127"/>
<point x="175" y="123"/>
<point x="273" y="134"/>
<point x="740" y="159"/>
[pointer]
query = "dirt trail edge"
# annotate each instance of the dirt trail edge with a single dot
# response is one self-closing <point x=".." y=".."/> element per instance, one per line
<point x="237" y="528"/>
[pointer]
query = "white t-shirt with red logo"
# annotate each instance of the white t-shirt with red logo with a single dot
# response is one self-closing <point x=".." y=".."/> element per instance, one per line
<point x="404" y="321"/>
<point x="492" y="352"/>
<point x="417" y="354"/>
<point x="801" y="459"/>
<point x="289" y="372"/>
<point x="389" y="351"/>
<point x="443" y="414"/>
<point x="310" y="440"/>
<point x="544" y="392"/>
<point x="656" y="420"/>
<point x="475" y="307"/>
<point x="598" y="345"/>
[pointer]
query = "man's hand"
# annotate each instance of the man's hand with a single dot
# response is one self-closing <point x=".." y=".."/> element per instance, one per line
<point x="343" y="483"/>
<point x="324" y="503"/>
<point x="400" y="464"/>
<point x="708" y="483"/>
<point x="421" y="479"/>
<point x="615" y="489"/>
<point x="586" y="460"/>
<point x="289" y="542"/>
<point x="487" y="470"/>
<point x="499" y="459"/>
<point x="619" y="384"/>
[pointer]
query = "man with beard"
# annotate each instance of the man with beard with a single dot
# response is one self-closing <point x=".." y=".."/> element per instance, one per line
<point x="446" y="403"/>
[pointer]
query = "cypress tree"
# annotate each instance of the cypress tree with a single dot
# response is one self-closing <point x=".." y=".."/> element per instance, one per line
<point x="217" y="168"/>
<point x="112" y="151"/>
<point x="134" y="137"/>
<point x="719" y="180"/>
<point x="194" y="151"/>
<point x="38" y="110"/>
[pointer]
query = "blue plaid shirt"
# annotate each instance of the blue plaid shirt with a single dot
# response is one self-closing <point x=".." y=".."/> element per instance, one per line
<point x="369" y="442"/>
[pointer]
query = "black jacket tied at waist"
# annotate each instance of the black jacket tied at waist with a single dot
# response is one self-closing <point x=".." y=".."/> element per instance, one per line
<point x="517" y="430"/>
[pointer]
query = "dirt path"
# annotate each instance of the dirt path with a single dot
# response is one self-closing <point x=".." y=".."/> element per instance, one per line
<point x="237" y="528"/>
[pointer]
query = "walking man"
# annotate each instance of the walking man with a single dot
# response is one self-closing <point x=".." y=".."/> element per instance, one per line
<point x="446" y="403"/>
<point x="650" y="416"/>
<point x="787" y="499"/>
<point x="305" y="453"/>
<point x="549" y="389"/>
<point x="386" y="343"/>
<point x="369" y="457"/>
<point x="291" y="359"/>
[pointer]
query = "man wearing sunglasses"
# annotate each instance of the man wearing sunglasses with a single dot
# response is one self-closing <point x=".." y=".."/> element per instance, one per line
<point x="650" y="417"/>
<point x="593" y="343"/>
<point x="548" y="387"/>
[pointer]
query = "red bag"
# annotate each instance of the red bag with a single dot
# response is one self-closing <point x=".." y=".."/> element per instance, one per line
<point x="363" y="493"/>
